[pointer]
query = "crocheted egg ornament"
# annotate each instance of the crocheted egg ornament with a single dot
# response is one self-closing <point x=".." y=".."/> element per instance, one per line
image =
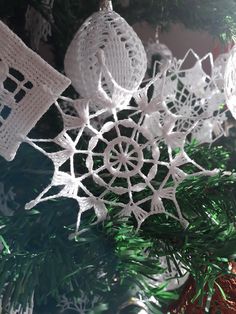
<point x="106" y="60"/>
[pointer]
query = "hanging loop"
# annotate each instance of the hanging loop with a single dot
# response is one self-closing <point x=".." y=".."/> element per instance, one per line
<point x="157" y="35"/>
<point x="106" y="5"/>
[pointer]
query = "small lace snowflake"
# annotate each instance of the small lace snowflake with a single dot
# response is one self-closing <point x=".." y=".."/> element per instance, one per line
<point x="81" y="305"/>
<point x="155" y="49"/>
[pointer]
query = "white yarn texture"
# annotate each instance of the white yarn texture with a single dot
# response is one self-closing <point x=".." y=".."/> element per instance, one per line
<point x="28" y="87"/>
<point x="81" y="305"/>
<point x="124" y="58"/>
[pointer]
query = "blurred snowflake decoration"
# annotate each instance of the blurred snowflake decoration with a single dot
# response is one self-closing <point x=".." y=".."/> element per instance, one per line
<point x="20" y="310"/>
<point x="81" y="305"/>
<point x="37" y="26"/>
<point x="175" y="275"/>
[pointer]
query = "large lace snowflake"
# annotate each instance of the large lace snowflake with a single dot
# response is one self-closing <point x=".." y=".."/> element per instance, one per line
<point x="121" y="163"/>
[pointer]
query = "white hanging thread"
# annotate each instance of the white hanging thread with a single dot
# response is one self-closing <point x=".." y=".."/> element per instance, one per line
<point x="154" y="47"/>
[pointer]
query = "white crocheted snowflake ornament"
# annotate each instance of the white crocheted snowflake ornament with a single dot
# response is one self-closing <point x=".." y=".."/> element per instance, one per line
<point x="193" y="96"/>
<point x="121" y="159"/>
<point x="21" y="311"/>
<point x="28" y="87"/>
<point x="111" y="83"/>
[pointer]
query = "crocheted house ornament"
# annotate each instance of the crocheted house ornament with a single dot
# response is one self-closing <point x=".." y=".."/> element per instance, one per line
<point x="28" y="87"/>
<point x="106" y="60"/>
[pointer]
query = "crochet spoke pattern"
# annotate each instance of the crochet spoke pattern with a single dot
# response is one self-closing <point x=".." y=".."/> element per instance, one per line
<point x="196" y="98"/>
<point x="82" y="305"/>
